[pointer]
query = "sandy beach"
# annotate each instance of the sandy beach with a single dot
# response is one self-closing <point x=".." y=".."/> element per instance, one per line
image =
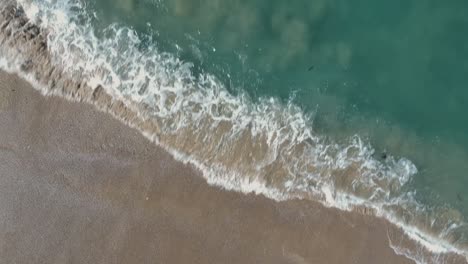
<point x="78" y="186"/>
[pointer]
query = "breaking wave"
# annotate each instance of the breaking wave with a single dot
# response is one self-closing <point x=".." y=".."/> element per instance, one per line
<point x="266" y="147"/>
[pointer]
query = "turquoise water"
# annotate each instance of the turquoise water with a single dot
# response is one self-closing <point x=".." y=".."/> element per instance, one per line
<point x="303" y="78"/>
<point x="394" y="72"/>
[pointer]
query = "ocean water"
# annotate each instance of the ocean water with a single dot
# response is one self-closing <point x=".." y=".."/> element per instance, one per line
<point x="350" y="104"/>
<point x="394" y="73"/>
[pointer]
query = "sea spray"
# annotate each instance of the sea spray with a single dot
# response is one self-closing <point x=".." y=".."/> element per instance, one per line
<point x="266" y="147"/>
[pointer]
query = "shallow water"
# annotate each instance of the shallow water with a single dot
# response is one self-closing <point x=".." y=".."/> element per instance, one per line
<point x="393" y="74"/>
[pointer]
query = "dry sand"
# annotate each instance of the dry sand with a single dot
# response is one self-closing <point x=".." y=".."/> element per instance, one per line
<point x="78" y="186"/>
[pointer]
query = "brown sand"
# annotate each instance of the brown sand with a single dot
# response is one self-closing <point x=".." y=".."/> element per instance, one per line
<point x="78" y="186"/>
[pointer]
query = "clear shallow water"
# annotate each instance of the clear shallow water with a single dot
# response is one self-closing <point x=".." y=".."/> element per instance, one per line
<point x="372" y="75"/>
<point x="395" y="72"/>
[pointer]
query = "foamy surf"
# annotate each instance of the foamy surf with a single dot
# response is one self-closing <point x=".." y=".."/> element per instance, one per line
<point x="267" y="148"/>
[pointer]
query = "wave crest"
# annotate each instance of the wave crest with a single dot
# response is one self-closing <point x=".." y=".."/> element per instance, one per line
<point x="265" y="147"/>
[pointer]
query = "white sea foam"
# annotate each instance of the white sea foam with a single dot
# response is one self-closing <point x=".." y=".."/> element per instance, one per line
<point x="183" y="102"/>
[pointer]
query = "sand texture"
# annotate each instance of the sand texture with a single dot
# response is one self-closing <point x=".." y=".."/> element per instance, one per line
<point x="78" y="186"/>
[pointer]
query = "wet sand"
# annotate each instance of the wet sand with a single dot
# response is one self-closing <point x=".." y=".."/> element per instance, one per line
<point x="78" y="186"/>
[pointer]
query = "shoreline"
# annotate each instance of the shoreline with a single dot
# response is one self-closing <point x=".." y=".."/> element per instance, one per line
<point x="62" y="155"/>
<point x="77" y="91"/>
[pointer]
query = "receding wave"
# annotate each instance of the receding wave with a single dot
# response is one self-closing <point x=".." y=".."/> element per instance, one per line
<point x="266" y="147"/>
